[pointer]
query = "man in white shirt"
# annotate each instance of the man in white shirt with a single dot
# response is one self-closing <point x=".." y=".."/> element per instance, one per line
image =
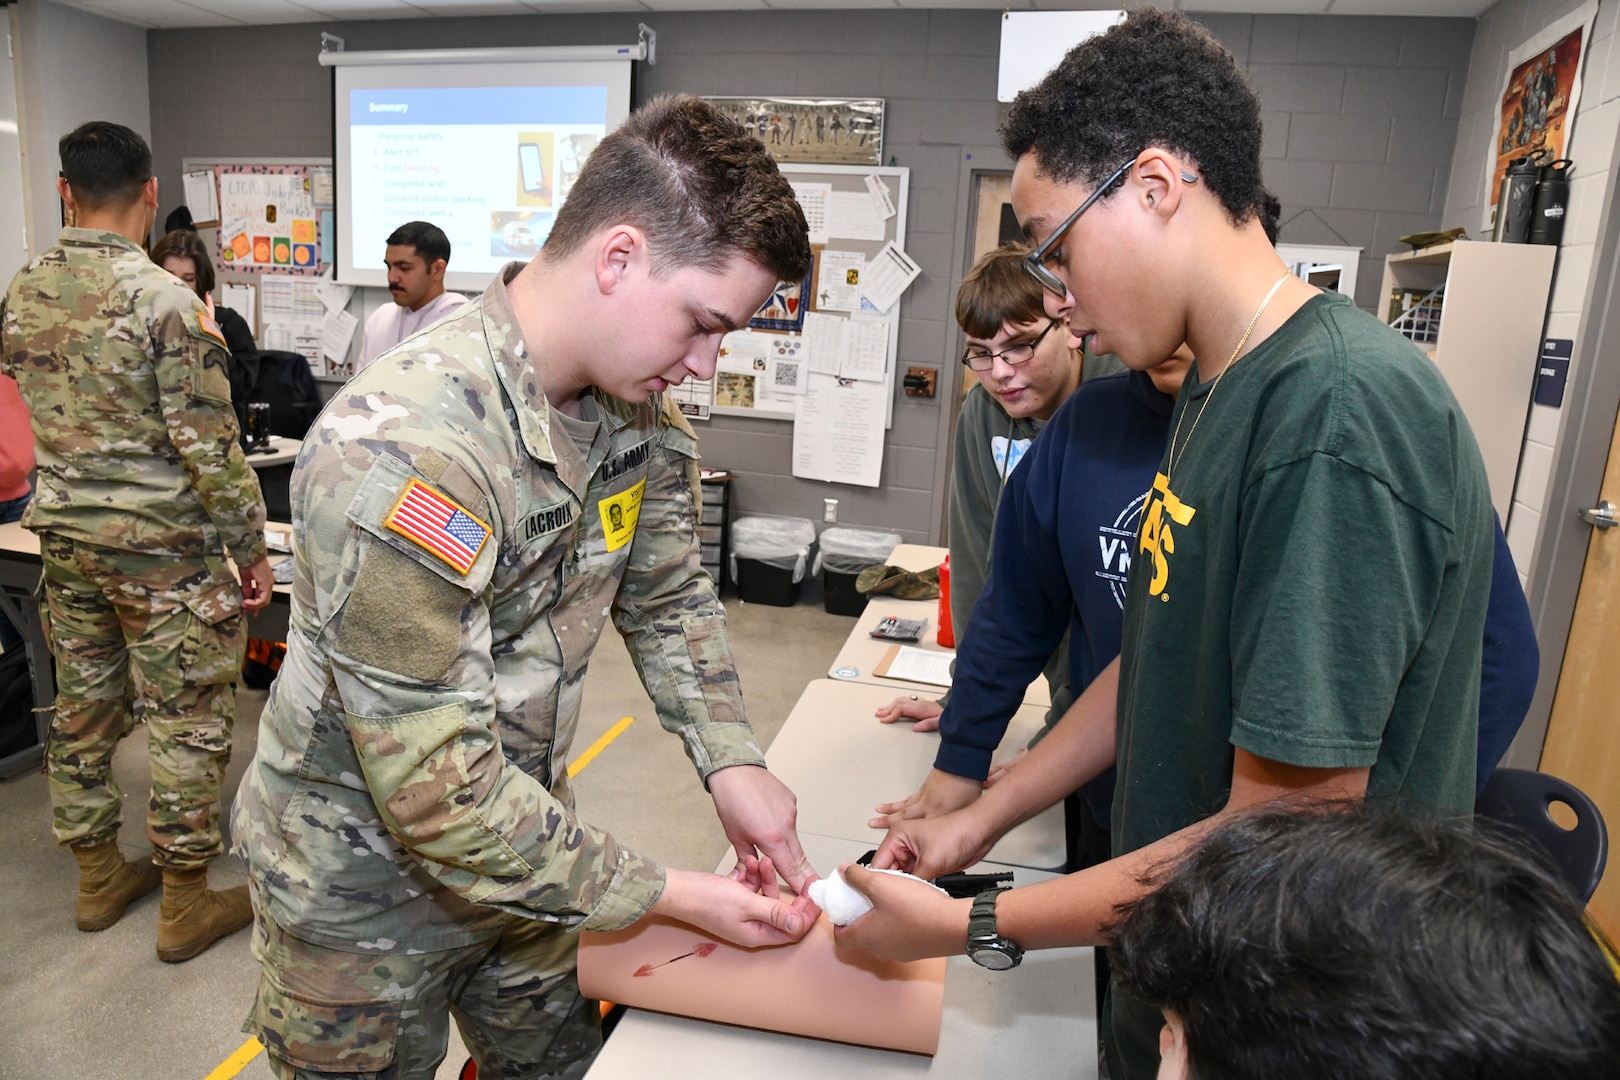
<point x="417" y="255"/>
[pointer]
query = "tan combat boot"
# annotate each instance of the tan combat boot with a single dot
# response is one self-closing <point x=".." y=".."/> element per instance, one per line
<point x="193" y="918"/>
<point x="108" y="884"/>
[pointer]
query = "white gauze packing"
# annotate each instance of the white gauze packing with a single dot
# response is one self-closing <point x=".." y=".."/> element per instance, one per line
<point x="843" y="903"/>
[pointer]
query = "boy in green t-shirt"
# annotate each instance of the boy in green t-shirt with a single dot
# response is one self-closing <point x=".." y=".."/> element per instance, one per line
<point x="1307" y="597"/>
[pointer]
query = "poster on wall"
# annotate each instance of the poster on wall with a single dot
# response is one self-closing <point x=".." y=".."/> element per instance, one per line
<point x="812" y="131"/>
<point x="268" y="221"/>
<point x="1536" y="114"/>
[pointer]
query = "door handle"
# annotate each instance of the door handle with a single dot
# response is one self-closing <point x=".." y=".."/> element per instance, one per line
<point x="1601" y="516"/>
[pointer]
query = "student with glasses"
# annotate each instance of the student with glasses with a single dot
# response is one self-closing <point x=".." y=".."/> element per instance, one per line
<point x="1308" y="588"/>
<point x="1026" y="367"/>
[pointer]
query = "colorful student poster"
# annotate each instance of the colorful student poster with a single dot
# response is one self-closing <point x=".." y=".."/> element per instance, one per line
<point x="268" y="219"/>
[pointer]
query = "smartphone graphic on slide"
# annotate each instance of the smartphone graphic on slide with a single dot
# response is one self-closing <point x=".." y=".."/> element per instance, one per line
<point x="534" y="178"/>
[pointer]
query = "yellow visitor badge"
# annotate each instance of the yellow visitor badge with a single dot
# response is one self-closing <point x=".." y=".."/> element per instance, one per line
<point x="619" y="514"/>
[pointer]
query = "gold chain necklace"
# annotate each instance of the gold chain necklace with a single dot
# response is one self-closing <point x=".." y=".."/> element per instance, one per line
<point x="1216" y="385"/>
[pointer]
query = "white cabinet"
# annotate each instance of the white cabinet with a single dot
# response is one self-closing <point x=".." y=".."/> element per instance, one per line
<point x="1488" y="340"/>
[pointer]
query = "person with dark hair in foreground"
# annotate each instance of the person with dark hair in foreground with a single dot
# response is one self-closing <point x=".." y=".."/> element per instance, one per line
<point x="1306" y="599"/>
<point x="417" y="255"/>
<point x="1342" y="944"/>
<point x="473" y="511"/>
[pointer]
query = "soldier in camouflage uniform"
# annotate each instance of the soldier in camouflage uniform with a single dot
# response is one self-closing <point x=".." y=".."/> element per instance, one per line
<point x="143" y="491"/>
<point x="469" y="513"/>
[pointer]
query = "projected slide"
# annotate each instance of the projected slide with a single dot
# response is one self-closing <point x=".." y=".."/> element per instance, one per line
<point x="488" y="165"/>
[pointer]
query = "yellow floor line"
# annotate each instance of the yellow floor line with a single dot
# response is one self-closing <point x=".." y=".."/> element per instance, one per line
<point x="237" y="1061"/>
<point x="252" y="1048"/>
<point x="578" y="764"/>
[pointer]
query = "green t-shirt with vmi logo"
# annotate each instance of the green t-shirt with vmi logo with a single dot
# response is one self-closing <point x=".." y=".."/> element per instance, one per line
<point x="1311" y="582"/>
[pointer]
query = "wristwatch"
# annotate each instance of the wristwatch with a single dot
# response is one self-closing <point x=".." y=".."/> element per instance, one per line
<point x="988" y="948"/>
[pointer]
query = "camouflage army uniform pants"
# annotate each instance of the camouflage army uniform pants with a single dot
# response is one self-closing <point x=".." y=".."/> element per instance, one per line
<point x="159" y="632"/>
<point x="323" y="1013"/>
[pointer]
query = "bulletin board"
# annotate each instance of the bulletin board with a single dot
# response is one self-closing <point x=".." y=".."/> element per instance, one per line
<point x="764" y="369"/>
<point x="268" y="220"/>
<point x="272" y="252"/>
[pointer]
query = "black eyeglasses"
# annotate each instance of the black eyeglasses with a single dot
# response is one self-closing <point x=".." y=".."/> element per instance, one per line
<point x="983" y="359"/>
<point x="1035" y="261"/>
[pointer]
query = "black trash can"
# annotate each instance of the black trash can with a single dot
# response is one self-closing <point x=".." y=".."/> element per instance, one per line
<point x="842" y="555"/>
<point x="769" y="558"/>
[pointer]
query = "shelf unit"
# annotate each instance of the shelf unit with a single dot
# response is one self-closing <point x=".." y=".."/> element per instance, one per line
<point x="714" y="531"/>
<point x="1489" y="338"/>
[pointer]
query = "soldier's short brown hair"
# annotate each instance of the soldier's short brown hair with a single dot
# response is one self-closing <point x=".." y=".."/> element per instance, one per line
<point x="997" y="291"/>
<point x="702" y="189"/>
<point x="185" y="244"/>
<point x="104" y="164"/>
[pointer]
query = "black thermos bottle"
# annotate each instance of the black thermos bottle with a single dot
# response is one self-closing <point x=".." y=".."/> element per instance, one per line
<point x="1514" y="200"/>
<point x="1551" y="203"/>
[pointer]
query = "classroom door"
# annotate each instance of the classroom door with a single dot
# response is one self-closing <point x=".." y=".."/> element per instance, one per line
<point x="991" y="213"/>
<point x="1581" y="741"/>
<point x="992" y="207"/>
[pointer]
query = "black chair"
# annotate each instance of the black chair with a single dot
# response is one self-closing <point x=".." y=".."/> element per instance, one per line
<point x="1520" y="799"/>
<point x="281" y="380"/>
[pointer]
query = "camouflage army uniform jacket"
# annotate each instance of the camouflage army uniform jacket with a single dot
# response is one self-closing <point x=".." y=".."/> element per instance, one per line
<point x="410" y="784"/>
<point x="124" y="375"/>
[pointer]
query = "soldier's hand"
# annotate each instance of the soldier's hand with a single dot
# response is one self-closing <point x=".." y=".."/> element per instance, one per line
<point x="759" y="814"/>
<point x="731" y="910"/>
<point x="257" y="583"/>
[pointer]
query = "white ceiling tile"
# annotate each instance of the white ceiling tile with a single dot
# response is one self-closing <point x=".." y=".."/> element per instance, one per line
<point x="165" y="14"/>
<point x="468" y="7"/>
<point x="259" y="12"/>
<point x="349" y="11"/>
<point x="155" y="14"/>
<point x="364" y="9"/>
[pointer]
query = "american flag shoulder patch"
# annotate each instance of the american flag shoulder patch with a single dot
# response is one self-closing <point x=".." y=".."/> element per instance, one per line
<point x="438" y="525"/>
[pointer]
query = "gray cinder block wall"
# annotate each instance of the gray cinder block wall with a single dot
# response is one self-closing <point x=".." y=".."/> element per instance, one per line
<point x="1361" y="117"/>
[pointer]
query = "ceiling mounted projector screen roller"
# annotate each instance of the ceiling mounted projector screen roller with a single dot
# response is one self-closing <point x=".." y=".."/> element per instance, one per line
<point x="485" y="151"/>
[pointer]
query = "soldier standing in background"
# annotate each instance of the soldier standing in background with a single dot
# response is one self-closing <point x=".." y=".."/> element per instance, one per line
<point x="469" y="515"/>
<point x="143" y="490"/>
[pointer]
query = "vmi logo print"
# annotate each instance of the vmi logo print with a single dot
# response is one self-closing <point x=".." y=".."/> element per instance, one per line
<point x="1158" y="540"/>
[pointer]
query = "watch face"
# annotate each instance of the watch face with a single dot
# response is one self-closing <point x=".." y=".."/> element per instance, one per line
<point x="994" y="959"/>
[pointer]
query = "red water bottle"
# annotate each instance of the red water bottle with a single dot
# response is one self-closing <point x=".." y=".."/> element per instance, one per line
<point x="946" y="635"/>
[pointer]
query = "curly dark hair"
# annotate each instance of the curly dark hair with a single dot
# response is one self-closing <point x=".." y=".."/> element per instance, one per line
<point x="1156" y="79"/>
<point x="702" y="188"/>
<point x="1342" y="942"/>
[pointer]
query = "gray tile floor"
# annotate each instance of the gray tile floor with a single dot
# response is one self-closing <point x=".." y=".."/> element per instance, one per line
<point x="77" y="1006"/>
